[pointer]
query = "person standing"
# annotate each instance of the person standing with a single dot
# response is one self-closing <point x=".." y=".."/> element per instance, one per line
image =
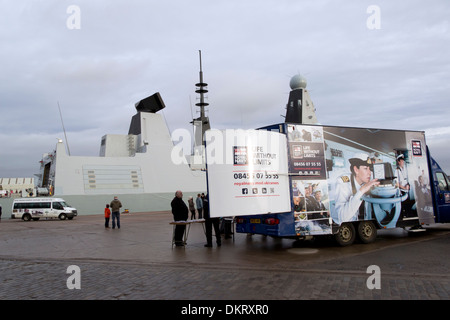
<point x="180" y="212"/>
<point x="209" y="223"/>
<point x="115" y="211"/>
<point x="107" y="215"/>
<point x="191" y="207"/>
<point x="199" y="204"/>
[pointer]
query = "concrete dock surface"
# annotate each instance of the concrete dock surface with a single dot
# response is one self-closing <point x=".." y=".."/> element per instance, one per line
<point x="138" y="262"/>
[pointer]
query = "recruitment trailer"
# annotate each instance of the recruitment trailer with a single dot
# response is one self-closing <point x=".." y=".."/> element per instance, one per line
<point x="297" y="181"/>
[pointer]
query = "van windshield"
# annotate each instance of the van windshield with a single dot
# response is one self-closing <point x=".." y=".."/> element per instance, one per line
<point x="59" y="205"/>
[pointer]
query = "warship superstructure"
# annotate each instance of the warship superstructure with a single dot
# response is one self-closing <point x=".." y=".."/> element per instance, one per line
<point x="135" y="163"/>
<point x="142" y="166"/>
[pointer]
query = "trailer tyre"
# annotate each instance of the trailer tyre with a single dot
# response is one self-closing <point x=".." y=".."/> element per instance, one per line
<point x="346" y="234"/>
<point x="367" y="232"/>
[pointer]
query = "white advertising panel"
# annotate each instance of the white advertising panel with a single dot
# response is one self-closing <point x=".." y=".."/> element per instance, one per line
<point x="247" y="172"/>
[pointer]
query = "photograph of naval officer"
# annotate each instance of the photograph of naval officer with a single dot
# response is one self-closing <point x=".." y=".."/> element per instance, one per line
<point x="403" y="184"/>
<point x="351" y="187"/>
<point x="402" y="174"/>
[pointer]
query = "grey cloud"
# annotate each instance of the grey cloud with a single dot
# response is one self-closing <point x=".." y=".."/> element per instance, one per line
<point x="395" y="77"/>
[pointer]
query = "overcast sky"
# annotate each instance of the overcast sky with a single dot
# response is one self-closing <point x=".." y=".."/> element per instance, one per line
<point x="100" y="57"/>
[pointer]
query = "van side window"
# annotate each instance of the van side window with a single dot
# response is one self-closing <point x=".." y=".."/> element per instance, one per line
<point x="58" y="206"/>
<point x="32" y="205"/>
<point x="443" y="183"/>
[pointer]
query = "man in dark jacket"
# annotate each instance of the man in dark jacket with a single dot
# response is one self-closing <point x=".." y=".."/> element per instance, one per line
<point x="180" y="212"/>
<point x="209" y="224"/>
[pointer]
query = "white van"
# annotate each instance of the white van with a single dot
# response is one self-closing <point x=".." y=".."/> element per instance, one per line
<point x="36" y="208"/>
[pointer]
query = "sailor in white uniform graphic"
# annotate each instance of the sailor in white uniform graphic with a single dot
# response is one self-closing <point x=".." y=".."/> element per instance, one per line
<point x="351" y="187"/>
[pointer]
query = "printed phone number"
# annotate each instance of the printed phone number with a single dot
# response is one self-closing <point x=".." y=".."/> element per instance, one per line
<point x="254" y="175"/>
<point x="307" y="164"/>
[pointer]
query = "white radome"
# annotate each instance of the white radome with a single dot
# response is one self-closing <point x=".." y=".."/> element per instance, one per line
<point x="297" y="82"/>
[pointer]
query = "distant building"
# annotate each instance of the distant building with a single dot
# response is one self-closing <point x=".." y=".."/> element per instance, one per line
<point x="11" y="186"/>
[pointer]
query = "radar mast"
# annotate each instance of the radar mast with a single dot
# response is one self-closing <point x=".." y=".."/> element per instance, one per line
<point x="201" y="124"/>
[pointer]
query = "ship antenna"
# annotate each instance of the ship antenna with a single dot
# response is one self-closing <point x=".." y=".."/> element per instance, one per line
<point x="67" y="143"/>
<point x="202" y="89"/>
<point x="193" y="125"/>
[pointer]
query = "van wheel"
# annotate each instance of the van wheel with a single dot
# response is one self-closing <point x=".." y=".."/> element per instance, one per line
<point x="367" y="232"/>
<point x="345" y="235"/>
<point x="62" y="216"/>
<point x="26" y="217"/>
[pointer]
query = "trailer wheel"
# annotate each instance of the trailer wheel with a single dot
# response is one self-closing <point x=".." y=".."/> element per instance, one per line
<point x="367" y="232"/>
<point x="345" y="235"/>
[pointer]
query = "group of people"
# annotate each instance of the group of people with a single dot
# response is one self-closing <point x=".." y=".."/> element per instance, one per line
<point x="198" y="203"/>
<point x="310" y="201"/>
<point x="180" y="212"/>
<point x="113" y="209"/>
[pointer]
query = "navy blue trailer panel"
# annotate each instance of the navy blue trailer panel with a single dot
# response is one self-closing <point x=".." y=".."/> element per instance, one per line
<point x="440" y="188"/>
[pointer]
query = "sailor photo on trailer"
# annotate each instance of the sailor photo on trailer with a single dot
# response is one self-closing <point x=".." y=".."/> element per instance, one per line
<point x="402" y="173"/>
<point x="413" y="180"/>
<point x="391" y="163"/>
<point x="311" y="207"/>
<point x="320" y="205"/>
<point x="302" y="195"/>
<point x="302" y="133"/>
<point x="299" y="133"/>
<point x="310" y="196"/>
<point x="423" y="193"/>
<point x="293" y="133"/>
<point x="350" y="188"/>
<point x="309" y="199"/>
<point x="402" y="182"/>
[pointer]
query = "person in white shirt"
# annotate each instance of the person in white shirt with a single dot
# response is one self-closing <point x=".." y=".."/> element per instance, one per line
<point x="403" y="184"/>
<point x="351" y="187"/>
<point x="402" y="174"/>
